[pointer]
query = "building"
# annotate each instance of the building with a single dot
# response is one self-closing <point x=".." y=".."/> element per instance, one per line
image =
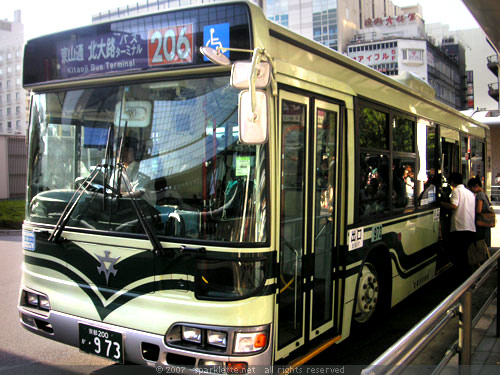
<point x="330" y="22"/>
<point x="477" y="52"/>
<point x="145" y="6"/>
<point x="446" y="73"/>
<point x="393" y="45"/>
<point x="12" y="166"/>
<point x="13" y="110"/>
<point x="12" y="94"/>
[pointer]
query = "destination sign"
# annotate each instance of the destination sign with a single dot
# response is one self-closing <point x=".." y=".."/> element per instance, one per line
<point x="156" y="41"/>
<point x="104" y="53"/>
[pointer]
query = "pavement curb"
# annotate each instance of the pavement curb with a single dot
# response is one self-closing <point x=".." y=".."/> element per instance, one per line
<point x="10" y="232"/>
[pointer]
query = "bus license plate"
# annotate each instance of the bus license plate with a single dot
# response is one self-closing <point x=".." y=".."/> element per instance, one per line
<point x="101" y="342"/>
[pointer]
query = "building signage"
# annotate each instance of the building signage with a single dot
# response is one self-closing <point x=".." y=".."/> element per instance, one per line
<point x="373" y="55"/>
<point x="391" y="20"/>
<point x="470" y="89"/>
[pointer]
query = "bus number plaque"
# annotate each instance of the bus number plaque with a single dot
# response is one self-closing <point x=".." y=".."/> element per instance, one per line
<point x="355" y="238"/>
<point x="170" y="45"/>
<point x="376" y="233"/>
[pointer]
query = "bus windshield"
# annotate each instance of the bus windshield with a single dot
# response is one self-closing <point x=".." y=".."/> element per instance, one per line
<point x="172" y="146"/>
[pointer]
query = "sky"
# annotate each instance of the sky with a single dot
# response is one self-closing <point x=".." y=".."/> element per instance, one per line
<point x="42" y="17"/>
<point x="449" y="12"/>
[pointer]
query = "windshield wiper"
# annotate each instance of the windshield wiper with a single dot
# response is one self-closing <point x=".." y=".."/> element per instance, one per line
<point x="71" y="205"/>
<point x="157" y="247"/>
<point x="106" y="166"/>
<point x="69" y="208"/>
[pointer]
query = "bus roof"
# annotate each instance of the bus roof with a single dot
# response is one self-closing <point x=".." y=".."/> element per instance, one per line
<point x="84" y="54"/>
<point x="405" y="92"/>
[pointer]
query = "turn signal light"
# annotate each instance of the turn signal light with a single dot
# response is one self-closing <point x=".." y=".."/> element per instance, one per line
<point x="237" y="367"/>
<point x="260" y="341"/>
<point x="250" y="342"/>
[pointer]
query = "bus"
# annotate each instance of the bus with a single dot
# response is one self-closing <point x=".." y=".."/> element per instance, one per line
<point x="208" y="189"/>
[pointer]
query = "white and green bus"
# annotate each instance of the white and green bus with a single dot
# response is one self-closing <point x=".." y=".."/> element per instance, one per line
<point x="207" y="188"/>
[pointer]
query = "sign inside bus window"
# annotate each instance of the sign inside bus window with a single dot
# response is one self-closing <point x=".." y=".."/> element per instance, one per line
<point x="243" y="164"/>
<point x="216" y="36"/>
<point x="170" y="45"/>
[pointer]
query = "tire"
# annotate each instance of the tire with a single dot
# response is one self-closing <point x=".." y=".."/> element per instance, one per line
<point x="368" y="295"/>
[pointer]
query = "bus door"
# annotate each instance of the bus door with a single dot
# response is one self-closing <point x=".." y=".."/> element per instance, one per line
<point x="450" y="159"/>
<point x="305" y="304"/>
<point x="450" y="151"/>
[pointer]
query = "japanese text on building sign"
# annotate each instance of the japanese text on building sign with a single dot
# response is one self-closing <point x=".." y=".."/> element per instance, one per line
<point x="391" y="21"/>
<point x="367" y="57"/>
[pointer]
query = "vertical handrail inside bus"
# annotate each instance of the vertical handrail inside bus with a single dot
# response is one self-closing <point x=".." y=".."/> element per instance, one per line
<point x="295" y="289"/>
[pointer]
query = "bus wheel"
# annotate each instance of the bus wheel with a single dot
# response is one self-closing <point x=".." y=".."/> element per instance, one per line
<point x="367" y="294"/>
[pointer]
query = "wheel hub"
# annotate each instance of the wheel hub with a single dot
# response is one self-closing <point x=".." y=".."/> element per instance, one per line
<point x="367" y="294"/>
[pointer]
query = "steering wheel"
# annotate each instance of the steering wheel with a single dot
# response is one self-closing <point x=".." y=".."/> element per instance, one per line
<point x="175" y="225"/>
<point x="96" y="186"/>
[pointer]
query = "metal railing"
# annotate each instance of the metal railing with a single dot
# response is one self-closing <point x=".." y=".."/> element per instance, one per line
<point x="399" y="356"/>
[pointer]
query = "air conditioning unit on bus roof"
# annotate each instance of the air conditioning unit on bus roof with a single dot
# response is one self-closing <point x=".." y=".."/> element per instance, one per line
<point x="416" y="83"/>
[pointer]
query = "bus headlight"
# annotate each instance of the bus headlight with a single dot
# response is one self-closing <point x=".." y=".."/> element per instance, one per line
<point x="217" y="338"/>
<point x="32" y="299"/>
<point x="44" y="303"/>
<point x="250" y="342"/>
<point x="191" y="334"/>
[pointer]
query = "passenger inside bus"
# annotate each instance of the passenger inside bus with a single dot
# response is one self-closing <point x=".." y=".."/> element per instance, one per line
<point x="374" y="186"/>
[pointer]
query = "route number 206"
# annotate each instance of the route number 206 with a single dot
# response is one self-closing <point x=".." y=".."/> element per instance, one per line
<point x="170" y="45"/>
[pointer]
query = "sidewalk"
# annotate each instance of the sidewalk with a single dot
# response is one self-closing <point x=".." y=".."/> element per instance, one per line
<point x="485" y="347"/>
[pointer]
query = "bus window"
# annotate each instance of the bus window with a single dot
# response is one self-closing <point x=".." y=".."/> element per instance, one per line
<point x="403" y="183"/>
<point x="374" y="189"/>
<point x="404" y="162"/>
<point x="403" y="134"/>
<point x="374" y="165"/>
<point x="465" y="157"/>
<point x="373" y="129"/>
<point x="477" y="158"/>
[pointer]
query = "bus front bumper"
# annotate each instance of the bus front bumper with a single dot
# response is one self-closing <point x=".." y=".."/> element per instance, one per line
<point x="139" y="347"/>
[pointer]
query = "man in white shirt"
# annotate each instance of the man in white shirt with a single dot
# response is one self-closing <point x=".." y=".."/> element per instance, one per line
<point x="463" y="226"/>
<point x="130" y="158"/>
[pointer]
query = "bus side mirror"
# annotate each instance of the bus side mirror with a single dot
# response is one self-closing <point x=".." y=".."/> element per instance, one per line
<point x="253" y="125"/>
<point x="241" y="70"/>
